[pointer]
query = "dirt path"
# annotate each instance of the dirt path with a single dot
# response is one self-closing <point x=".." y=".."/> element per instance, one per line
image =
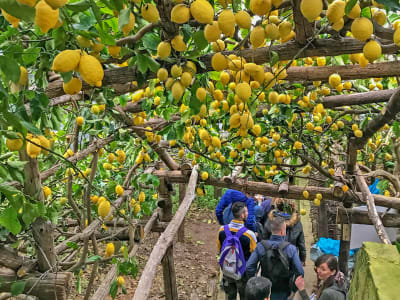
<point x="195" y="259"/>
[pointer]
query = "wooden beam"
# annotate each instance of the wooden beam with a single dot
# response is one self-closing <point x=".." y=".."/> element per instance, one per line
<point x="357" y="98"/>
<point x="347" y="72"/>
<point x="146" y="280"/>
<point x="321" y="47"/>
<point x="355" y="216"/>
<point x="272" y="190"/>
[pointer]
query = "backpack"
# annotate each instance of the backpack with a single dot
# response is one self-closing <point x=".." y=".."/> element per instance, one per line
<point x="276" y="267"/>
<point x="232" y="261"/>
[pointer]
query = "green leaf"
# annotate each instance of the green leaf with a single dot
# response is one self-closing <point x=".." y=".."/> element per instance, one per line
<point x="96" y="13"/>
<point x="30" y="55"/>
<point x="66" y="76"/>
<point x="10" y="68"/>
<point x="29" y="213"/>
<point x="114" y="289"/>
<point x="72" y="245"/>
<point x="8" y="190"/>
<point x="151" y="41"/>
<point x="17" y="287"/>
<point x="392" y="5"/>
<point x="194" y="104"/>
<point x="366" y="12"/>
<point x="32" y="128"/>
<point x="94" y="258"/>
<point x="9" y="220"/>
<point x="18" y="10"/>
<point x="349" y="6"/>
<point x="274" y="58"/>
<point x="142" y="63"/>
<point x="199" y="40"/>
<point x="123" y="17"/>
<point x="396" y="128"/>
<point x="152" y="64"/>
<point x="78" y="6"/>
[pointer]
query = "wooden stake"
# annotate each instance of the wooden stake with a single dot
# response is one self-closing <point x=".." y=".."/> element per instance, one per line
<point x="171" y="291"/>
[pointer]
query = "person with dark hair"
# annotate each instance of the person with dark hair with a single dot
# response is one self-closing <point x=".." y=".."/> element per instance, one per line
<point x="258" y="288"/>
<point x="233" y="281"/>
<point x="223" y="211"/>
<point x="333" y="283"/>
<point x="294" y="229"/>
<point x="279" y="261"/>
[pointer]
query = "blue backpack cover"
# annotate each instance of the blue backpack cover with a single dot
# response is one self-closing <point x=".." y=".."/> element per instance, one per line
<point x="232" y="261"/>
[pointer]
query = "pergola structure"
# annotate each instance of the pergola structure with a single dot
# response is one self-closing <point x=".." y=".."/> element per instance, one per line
<point x="377" y="108"/>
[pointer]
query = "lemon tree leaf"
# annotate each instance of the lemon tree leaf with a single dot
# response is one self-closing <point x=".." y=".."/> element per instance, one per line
<point x="17" y="287"/>
<point x="18" y="10"/>
<point x="78" y="6"/>
<point x="200" y="40"/>
<point x="10" y="68"/>
<point x="393" y="5"/>
<point x="123" y="18"/>
<point x="9" y="220"/>
<point x="349" y="6"/>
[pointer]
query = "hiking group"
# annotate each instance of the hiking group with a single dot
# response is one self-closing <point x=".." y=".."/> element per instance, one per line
<point x="265" y="236"/>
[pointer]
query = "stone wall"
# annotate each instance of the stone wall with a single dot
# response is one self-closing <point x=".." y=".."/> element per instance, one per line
<point x="377" y="273"/>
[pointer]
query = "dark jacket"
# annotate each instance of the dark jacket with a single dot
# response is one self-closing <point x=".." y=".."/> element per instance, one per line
<point x="248" y="240"/>
<point x="229" y="197"/>
<point x="333" y="292"/>
<point x="294" y="231"/>
<point x="290" y="251"/>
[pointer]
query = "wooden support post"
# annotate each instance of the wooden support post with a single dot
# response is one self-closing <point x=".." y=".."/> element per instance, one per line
<point x="303" y="28"/>
<point x="171" y="291"/>
<point x="164" y="201"/>
<point x="323" y="219"/>
<point x="344" y="248"/>
<point x="181" y="231"/>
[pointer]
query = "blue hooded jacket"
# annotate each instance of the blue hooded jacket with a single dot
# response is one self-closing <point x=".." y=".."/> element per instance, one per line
<point x="232" y="196"/>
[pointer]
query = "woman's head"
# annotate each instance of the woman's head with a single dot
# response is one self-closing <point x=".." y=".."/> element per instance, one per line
<point x="326" y="266"/>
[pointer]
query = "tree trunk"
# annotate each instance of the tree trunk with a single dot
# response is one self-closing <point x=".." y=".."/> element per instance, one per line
<point x="42" y="229"/>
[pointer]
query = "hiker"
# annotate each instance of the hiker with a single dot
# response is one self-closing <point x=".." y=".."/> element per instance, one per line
<point x="294" y="229"/>
<point x="223" y="211"/>
<point x="235" y="236"/>
<point x="333" y="283"/>
<point x="258" y="288"/>
<point x="261" y="210"/>
<point x="279" y="261"/>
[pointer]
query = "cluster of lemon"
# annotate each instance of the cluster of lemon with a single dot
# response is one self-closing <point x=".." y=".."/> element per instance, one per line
<point x="46" y="14"/>
<point x="34" y="144"/>
<point x="361" y="28"/>
<point x="121" y="156"/>
<point x="88" y="67"/>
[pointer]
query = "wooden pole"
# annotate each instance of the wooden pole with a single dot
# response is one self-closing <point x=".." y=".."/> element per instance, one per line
<point x="361" y="217"/>
<point x="181" y="231"/>
<point x="171" y="291"/>
<point x="165" y="240"/>
<point x="344" y="248"/>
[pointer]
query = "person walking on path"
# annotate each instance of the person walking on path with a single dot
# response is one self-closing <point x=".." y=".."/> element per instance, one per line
<point x="333" y="283"/>
<point x="235" y="255"/>
<point x="294" y="229"/>
<point x="279" y="261"/>
<point x="258" y="288"/>
<point x="223" y="211"/>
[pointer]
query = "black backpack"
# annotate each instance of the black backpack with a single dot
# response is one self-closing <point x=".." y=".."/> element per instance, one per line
<point x="275" y="266"/>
